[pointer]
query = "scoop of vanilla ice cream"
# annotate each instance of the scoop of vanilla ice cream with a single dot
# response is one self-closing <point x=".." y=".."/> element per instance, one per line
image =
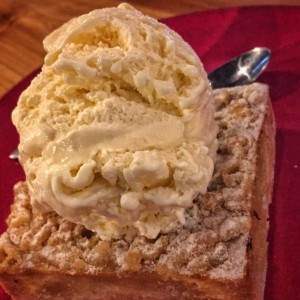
<point x="117" y="132"/>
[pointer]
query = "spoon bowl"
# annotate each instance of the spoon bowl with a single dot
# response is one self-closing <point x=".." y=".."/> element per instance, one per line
<point x="241" y="70"/>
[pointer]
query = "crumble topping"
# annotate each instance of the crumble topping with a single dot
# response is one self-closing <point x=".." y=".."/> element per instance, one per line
<point x="212" y="243"/>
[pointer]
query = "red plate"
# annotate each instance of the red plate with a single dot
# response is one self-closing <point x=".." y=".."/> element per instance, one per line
<point x="217" y="36"/>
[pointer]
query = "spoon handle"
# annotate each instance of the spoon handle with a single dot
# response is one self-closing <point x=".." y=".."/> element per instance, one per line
<point x="14" y="154"/>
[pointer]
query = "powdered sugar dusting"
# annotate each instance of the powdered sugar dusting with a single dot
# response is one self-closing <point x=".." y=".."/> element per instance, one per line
<point x="211" y="243"/>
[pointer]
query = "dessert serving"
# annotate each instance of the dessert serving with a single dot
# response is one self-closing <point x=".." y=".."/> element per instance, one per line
<point x="141" y="182"/>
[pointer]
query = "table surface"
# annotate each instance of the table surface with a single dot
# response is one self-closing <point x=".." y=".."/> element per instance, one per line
<point x="24" y="24"/>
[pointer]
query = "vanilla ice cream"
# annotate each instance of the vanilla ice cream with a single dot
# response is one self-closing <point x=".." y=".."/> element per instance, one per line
<point x="117" y="132"/>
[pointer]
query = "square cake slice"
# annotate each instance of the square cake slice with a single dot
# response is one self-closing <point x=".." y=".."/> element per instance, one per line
<point x="219" y="253"/>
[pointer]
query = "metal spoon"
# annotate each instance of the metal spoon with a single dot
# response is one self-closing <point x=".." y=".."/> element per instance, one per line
<point x="240" y="70"/>
<point x="243" y="69"/>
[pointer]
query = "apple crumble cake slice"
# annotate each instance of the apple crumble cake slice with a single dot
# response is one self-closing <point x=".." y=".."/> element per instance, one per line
<point x="219" y="253"/>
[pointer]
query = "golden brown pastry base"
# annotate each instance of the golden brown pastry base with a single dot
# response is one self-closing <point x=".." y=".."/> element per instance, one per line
<point x="42" y="279"/>
<point x="132" y="286"/>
